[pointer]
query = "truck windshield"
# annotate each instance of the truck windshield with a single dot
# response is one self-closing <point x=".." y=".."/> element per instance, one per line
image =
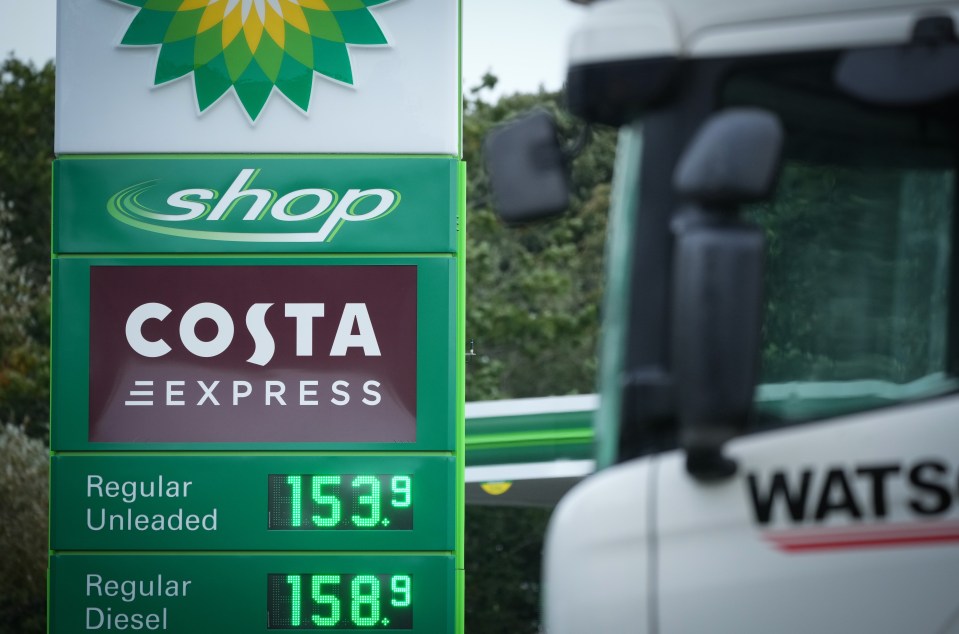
<point x="860" y="240"/>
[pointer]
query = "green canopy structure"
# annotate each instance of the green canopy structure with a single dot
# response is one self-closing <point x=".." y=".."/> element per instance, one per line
<point x="528" y="452"/>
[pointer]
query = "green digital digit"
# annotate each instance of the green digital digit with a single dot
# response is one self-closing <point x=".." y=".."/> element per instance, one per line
<point x="295" y="500"/>
<point x="371" y="499"/>
<point x="365" y="591"/>
<point x="319" y="498"/>
<point x="319" y="598"/>
<point x="294" y="581"/>
<point x="400" y="586"/>
<point x="400" y="485"/>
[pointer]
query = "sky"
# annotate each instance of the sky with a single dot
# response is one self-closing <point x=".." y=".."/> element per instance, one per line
<point x="497" y="37"/>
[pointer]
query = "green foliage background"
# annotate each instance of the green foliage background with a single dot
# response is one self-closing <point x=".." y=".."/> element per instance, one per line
<point x="533" y="296"/>
<point x="532" y="307"/>
<point x="533" y="293"/>
<point x="26" y="150"/>
<point x="23" y="531"/>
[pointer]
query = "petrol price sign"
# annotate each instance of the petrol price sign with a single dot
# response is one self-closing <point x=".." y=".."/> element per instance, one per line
<point x="266" y="501"/>
<point x="258" y="330"/>
<point x="254" y="593"/>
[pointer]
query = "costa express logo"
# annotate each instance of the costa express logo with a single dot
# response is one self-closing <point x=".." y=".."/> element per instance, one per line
<point x="243" y="213"/>
<point x="253" y="46"/>
<point x="256" y="353"/>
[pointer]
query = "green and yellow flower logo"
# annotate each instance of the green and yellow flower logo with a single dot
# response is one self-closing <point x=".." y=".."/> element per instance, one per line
<point x="253" y="46"/>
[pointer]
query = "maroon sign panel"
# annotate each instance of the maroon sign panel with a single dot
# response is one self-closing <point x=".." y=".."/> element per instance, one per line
<point x="253" y="354"/>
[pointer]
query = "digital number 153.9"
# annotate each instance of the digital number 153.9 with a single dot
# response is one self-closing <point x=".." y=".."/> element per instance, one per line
<point x="340" y="501"/>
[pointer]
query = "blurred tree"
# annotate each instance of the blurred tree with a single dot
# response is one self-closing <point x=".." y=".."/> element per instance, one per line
<point x="532" y="306"/>
<point x="23" y="532"/>
<point x="24" y="347"/>
<point x="26" y="150"/>
<point x="503" y="567"/>
<point x="533" y="293"/>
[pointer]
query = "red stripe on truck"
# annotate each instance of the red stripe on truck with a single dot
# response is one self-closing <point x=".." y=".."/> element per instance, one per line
<point x="878" y="536"/>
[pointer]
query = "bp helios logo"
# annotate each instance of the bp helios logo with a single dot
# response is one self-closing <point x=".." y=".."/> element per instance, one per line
<point x="243" y="213"/>
<point x="253" y="46"/>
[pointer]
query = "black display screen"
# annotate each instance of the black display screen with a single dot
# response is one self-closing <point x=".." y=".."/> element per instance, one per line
<point x="347" y="501"/>
<point x="339" y="601"/>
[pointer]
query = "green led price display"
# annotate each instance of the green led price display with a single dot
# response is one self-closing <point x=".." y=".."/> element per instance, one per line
<point x="340" y="502"/>
<point x="344" y="601"/>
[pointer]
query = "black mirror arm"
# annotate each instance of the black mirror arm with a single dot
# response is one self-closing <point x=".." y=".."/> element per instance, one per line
<point x="709" y="464"/>
<point x="716" y="306"/>
<point x="717" y="281"/>
<point x="576" y="147"/>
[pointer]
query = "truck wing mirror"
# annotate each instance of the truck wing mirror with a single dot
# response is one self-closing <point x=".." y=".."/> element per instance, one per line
<point x="527" y="169"/>
<point x="717" y="281"/>
<point x="733" y="159"/>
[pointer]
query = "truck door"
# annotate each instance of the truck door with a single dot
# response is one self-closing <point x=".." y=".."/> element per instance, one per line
<point x="849" y="525"/>
<point x="843" y="514"/>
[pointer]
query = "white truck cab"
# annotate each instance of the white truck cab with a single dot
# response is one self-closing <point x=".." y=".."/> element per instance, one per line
<point x="778" y="426"/>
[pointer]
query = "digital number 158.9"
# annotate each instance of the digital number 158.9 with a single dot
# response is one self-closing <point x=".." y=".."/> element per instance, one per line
<point x="340" y="601"/>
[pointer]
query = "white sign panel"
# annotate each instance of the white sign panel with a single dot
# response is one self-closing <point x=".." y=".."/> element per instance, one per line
<point x="258" y="76"/>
